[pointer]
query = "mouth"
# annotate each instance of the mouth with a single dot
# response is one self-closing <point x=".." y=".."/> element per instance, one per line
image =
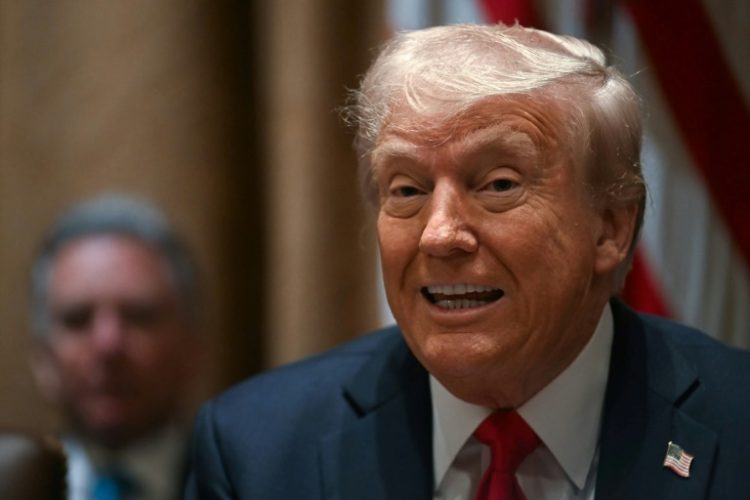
<point x="461" y="296"/>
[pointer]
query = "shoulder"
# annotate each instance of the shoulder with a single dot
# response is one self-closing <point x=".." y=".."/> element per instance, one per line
<point x="662" y="336"/>
<point x="276" y="402"/>
<point x="712" y="358"/>
<point x="275" y="422"/>
<point x="317" y="374"/>
<point x="718" y="399"/>
<point x="718" y="394"/>
<point x="669" y="382"/>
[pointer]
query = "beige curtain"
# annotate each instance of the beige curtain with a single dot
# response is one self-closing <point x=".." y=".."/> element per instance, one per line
<point x="222" y="114"/>
<point x="320" y="277"/>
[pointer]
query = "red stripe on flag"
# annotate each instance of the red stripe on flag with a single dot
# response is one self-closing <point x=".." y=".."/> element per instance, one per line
<point x="705" y="100"/>
<point x="510" y="11"/>
<point x="641" y="291"/>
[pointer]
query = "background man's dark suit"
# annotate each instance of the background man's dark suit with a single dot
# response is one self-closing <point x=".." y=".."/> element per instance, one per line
<point x="356" y="422"/>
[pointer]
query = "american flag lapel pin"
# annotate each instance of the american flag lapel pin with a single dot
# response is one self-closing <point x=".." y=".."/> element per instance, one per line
<point x="678" y="460"/>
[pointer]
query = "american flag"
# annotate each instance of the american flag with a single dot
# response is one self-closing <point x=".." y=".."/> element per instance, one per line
<point x="678" y="460"/>
<point x="688" y="59"/>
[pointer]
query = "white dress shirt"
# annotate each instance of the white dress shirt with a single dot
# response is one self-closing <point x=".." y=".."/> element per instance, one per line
<point x="566" y="415"/>
<point x="156" y="464"/>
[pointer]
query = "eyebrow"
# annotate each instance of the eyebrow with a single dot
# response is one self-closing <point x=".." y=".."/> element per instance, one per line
<point x="499" y="135"/>
<point x="502" y="136"/>
<point x="394" y="148"/>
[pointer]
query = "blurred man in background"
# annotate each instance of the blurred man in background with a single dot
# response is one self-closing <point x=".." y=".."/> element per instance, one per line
<point x="114" y="305"/>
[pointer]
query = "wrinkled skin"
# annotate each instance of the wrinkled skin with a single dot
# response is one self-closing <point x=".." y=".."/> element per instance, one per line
<point x="497" y="201"/>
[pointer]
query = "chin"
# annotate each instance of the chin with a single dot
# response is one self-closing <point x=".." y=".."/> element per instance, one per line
<point x="458" y="355"/>
<point x="109" y="435"/>
<point x="120" y="433"/>
<point x="105" y="421"/>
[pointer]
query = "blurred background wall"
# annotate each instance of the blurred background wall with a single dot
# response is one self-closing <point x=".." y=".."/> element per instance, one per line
<point x="221" y="113"/>
<point x="224" y="115"/>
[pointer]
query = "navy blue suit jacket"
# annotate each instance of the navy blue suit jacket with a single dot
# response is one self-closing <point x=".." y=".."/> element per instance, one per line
<point x="355" y="423"/>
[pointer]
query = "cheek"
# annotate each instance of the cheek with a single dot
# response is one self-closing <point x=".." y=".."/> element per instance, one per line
<point x="556" y="241"/>
<point x="155" y="352"/>
<point x="398" y="242"/>
<point x="570" y="251"/>
<point x="176" y="346"/>
<point x="554" y="268"/>
<point x="74" y="360"/>
<point x="399" y="245"/>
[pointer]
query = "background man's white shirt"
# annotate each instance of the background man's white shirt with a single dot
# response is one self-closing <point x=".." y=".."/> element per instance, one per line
<point x="156" y="464"/>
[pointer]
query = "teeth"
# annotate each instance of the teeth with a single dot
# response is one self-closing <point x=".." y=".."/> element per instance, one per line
<point x="459" y="289"/>
<point x="461" y="295"/>
<point x="460" y="303"/>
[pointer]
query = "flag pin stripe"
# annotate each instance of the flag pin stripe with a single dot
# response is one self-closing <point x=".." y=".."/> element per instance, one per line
<point x="678" y="460"/>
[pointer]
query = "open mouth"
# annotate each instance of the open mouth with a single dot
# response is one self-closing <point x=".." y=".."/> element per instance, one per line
<point x="461" y="296"/>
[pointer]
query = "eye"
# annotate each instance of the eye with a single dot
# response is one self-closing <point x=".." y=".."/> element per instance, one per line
<point x="403" y="186"/>
<point x="501" y="189"/>
<point x="402" y="196"/>
<point x="501" y="185"/>
<point x="75" y="319"/>
<point x="500" y="180"/>
<point x="405" y="191"/>
<point x="143" y="315"/>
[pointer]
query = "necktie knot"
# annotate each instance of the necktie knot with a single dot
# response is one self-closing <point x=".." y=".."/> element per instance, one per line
<point x="510" y="440"/>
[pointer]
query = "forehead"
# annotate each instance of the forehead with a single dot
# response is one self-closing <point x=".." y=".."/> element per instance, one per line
<point x="520" y="125"/>
<point x="107" y="261"/>
<point x="106" y="244"/>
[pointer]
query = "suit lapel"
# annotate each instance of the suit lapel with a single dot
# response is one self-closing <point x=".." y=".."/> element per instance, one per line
<point x="386" y="453"/>
<point x="648" y="382"/>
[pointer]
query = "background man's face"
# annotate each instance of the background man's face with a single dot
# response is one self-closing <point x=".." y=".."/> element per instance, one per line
<point x="489" y="249"/>
<point x="116" y="338"/>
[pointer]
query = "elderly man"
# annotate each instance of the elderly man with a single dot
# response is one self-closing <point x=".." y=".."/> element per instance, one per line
<point x="113" y="305"/>
<point x="503" y="163"/>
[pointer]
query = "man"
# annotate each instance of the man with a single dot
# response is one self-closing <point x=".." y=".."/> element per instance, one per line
<point x="114" y="299"/>
<point x="503" y="163"/>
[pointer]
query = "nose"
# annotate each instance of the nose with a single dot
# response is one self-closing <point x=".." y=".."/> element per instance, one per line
<point x="447" y="230"/>
<point x="108" y="333"/>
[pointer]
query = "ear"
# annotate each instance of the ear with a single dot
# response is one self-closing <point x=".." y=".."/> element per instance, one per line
<point x="613" y="242"/>
<point x="46" y="372"/>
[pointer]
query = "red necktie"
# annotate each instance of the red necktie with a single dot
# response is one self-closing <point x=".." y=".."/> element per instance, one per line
<point x="510" y="440"/>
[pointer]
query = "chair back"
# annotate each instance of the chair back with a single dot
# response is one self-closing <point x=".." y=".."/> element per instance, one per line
<point x="31" y="467"/>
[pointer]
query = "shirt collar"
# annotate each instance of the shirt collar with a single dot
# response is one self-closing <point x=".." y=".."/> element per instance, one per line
<point x="566" y="414"/>
<point x="154" y="462"/>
